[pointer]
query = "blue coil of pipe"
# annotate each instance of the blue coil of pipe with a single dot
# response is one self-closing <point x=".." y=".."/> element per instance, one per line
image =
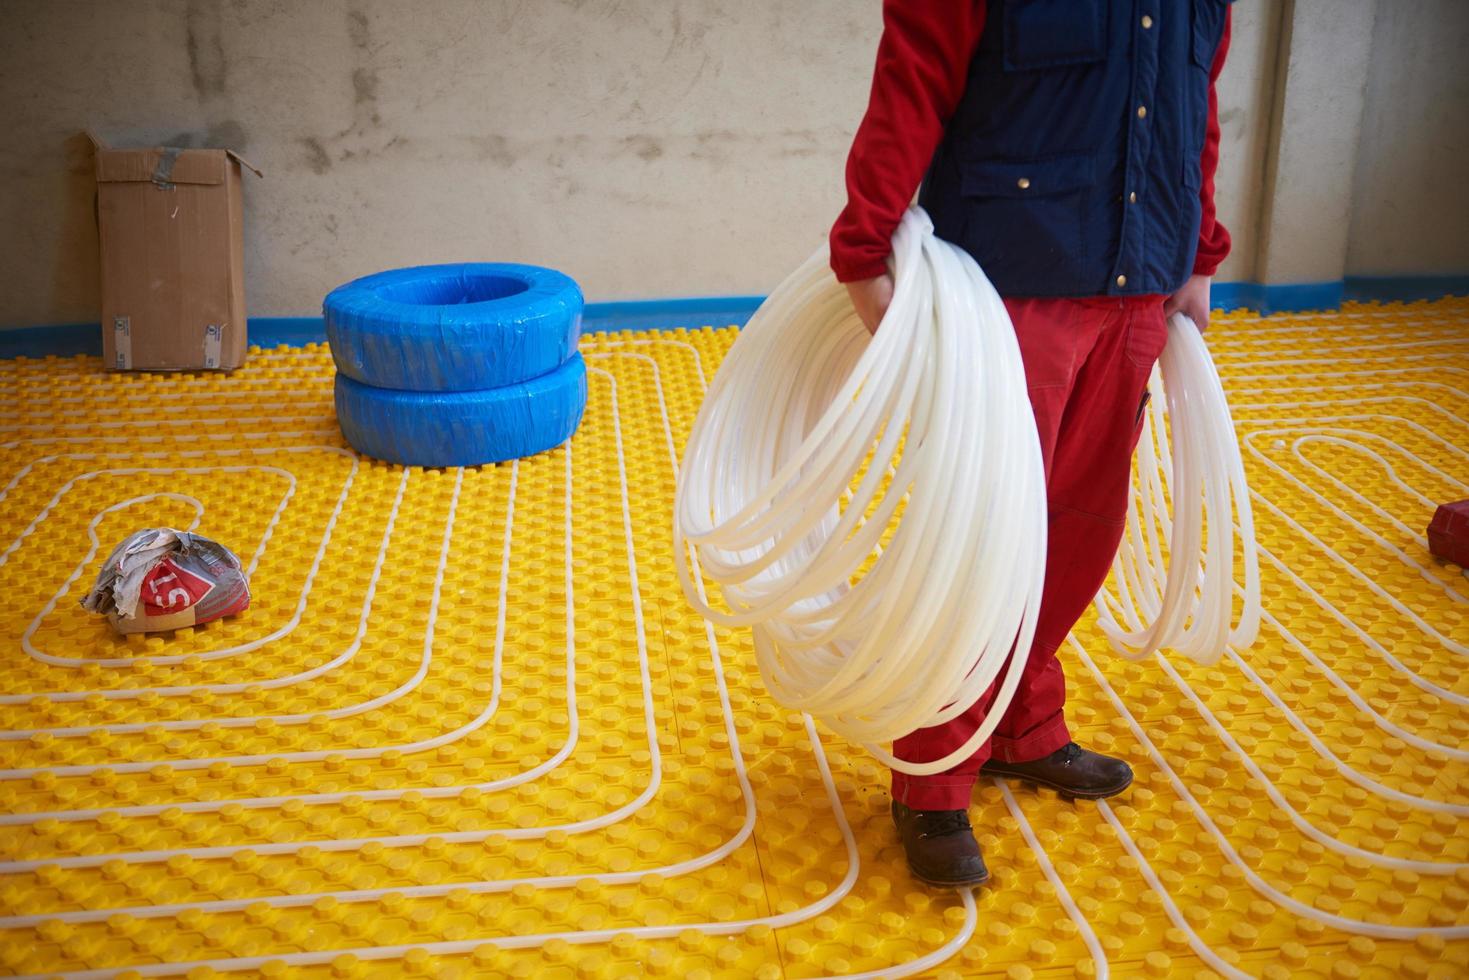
<point x="458" y="327"/>
<point x="463" y="428"/>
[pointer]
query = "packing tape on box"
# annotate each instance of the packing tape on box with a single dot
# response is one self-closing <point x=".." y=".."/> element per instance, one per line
<point x="163" y="170"/>
<point x="122" y="342"/>
<point x="213" y="342"/>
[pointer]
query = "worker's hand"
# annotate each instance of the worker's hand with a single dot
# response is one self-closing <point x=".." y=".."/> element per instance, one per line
<point x="871" y="298"/>
<point x="1192" y="301"/>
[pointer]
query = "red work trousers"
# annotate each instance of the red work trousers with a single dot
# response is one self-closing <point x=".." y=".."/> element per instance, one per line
<point x="1087" y="363"/>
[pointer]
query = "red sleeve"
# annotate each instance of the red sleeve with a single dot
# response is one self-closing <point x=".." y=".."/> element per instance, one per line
<point x="1213" y="236"/>
<point x="922" y="64"/>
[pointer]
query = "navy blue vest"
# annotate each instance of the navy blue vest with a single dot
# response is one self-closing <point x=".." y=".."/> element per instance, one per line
<point x="1071" y="166"/>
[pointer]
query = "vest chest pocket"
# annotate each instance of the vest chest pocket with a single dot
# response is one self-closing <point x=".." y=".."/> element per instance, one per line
<point x="1041" y="177"/>
<point x="1053" y="33"/>
<point x="1038" y="203"/>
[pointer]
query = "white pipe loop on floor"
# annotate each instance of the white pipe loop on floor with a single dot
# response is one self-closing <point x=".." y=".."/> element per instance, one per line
<point x="812" y="436"/>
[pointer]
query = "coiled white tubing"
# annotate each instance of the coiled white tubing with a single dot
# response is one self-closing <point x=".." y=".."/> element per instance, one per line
<point x="876" y="640"/>
<point x="1186" y="603"/>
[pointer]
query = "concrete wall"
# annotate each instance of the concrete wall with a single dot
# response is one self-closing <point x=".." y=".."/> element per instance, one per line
<point x="1319" y="91"/>
<point x="647" y="147"/>
<point x="1410" y="215"/>
<point x="1245" y="90"/>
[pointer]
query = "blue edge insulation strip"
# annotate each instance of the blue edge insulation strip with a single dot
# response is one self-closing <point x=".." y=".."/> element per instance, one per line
<point x="65" y="340"/>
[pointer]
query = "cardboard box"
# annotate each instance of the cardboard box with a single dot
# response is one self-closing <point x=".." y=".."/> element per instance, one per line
<point x="171" y="224"/>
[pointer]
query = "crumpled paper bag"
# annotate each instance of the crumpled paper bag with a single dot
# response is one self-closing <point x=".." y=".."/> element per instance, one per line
<point x="162" y="579"/>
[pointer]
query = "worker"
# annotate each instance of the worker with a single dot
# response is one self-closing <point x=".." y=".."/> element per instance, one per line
<point x="1070" y="147"/>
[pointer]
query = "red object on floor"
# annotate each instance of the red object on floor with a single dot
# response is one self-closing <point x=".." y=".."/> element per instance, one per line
<point x="1087" y="363"/>
<point x="1448" y="533"/>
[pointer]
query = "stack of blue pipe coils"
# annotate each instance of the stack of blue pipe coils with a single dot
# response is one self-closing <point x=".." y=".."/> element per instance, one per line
<point x="457" y="365"/>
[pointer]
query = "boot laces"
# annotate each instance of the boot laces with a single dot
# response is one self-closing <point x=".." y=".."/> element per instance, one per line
<point x="941" y="823"/>
<point x="1070" y="752"/>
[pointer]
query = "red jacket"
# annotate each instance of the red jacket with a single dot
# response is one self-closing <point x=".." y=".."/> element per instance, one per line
<point x="922" y="65"/>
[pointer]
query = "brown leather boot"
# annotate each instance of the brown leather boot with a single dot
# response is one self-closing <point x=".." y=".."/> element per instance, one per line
<point x="940" y="846"/>
<point x="1071" y="770"/>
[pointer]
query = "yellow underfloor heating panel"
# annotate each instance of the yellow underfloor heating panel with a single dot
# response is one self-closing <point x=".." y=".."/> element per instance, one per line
<point x="469" y="727"/>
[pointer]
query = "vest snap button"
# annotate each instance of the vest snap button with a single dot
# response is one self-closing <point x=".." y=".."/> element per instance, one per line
<point x="1023" y="183"/>
<point x="1122" y="280"/>
<point x="1147" y="22"/>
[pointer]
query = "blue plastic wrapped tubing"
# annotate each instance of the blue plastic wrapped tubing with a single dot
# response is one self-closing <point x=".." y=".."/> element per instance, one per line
<point x="453" y="327"/>
<point x="463" y="428"/>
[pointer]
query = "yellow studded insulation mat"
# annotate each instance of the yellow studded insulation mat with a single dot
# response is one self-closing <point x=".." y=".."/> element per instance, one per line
<point x="469" y="727"/>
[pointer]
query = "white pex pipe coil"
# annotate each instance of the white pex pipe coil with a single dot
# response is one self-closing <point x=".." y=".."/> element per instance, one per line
<point x="812" y="436"/>
<point x="875" y="507"/>
<point x="1184" y="600"/>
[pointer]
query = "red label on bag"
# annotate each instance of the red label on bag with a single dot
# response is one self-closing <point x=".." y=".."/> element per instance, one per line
<point x="170" y="589"/>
